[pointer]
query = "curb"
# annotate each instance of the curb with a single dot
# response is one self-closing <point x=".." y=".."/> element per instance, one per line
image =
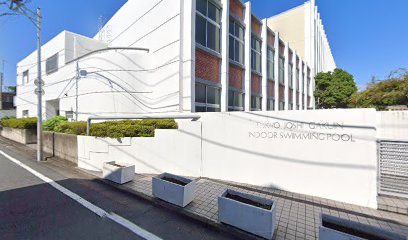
<point x="239" y="234"/>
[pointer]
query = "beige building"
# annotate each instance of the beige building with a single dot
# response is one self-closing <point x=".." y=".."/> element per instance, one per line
<point x="303" y="29"/>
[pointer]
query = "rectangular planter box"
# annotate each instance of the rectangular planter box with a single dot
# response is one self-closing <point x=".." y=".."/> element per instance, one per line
<point x="250" y="218"/>
<point x="24" y="136"/>
<point x="171" y="192"/>
<point x="341" y="229"/>
<point x="118" y="174"/>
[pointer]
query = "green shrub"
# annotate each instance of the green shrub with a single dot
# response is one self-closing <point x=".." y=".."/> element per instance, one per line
<point x="21" y="123"/>
<point x="159" y="123"/>
<point x="51" y="123"/>
<point x="99" y="130"/>
<point x="129" y="130"/>
<point x="76" y="128"/>
<point x="117" y="129"/>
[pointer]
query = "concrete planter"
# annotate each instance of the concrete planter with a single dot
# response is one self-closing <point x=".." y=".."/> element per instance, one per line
<point x="250" y="218"/>
<point x="118" y="172"/>
<point x="172" y="192"/>
<point x="341" y="229"/>
<point x="24" y="136"/>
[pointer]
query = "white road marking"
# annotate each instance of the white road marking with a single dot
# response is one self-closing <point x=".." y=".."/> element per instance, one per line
<point x="97" y="210"/>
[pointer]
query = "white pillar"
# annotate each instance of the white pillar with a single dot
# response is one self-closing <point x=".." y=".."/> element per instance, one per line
<point x="225" y="55"/>
<point x="248" y="34"/>
<point x="294" y="78"/>
<point x="286" y="75"/>
<point x="300" y="83"/>
<point x="305" y="87"/>
<point x="276" y="72"/>
<point x="264" y="85"/>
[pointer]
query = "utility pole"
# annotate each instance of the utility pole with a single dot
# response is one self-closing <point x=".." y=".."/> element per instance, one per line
<point x="39" y="90"/>
<point x="1" y="84"/>
<point x="35" y="18"/>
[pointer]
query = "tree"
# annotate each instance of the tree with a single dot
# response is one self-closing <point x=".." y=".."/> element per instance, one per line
<point x="334" y="89"/>
<point x="12" y="89"/>
<point x="381" y="94"/>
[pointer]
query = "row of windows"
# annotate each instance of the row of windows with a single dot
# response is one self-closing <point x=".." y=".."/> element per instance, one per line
<point x="271" y="64"/>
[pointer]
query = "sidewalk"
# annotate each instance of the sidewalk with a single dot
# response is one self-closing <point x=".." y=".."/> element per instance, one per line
<point x="298" y="215"/>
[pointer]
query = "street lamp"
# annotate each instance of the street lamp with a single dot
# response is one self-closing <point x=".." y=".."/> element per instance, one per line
<point x="35" y="17"/>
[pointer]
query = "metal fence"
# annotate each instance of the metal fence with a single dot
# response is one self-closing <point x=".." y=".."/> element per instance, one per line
<point x="393" y="168"/>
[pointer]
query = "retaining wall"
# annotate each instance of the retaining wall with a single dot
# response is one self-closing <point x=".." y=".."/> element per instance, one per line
<point x="61" y="145"/>
<point x="24" y="136"/>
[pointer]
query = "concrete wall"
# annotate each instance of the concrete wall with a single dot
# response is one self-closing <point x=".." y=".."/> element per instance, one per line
<point x="24" y="136"/>
<point x="61" y="145"/>
<point x="326" y="153"/>
<point x="392" y="125"/>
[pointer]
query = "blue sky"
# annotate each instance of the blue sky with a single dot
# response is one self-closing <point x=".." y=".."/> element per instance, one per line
<point x="367" y="37"/>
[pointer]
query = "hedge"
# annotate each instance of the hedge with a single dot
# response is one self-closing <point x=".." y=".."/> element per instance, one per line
<point x="118" y="129"/>
<point x="21" y="123"/>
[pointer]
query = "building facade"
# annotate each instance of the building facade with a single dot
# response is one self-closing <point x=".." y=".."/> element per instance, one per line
<point x="164" y="56"/>
<point x="303" y="29"/>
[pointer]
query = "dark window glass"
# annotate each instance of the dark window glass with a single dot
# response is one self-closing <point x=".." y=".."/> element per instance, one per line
<point x="201" y="30"/>
<point x="200" y="93"/>
<point x="230" y="98"/>
<point x="200" y="109"/>
<point x="201" y="6"/>
<point x="213" y="37"/>
<point x="213" y="12"/>
<point x="51" y="65"/>
<point x="213" y="95"/>
<point x="231" y="48"/>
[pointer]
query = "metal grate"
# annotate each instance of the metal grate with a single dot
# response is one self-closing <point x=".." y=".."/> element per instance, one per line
<point x="393" y="168"/>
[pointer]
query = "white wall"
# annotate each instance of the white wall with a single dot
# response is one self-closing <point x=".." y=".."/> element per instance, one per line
<point x="241" y="147"/>
<point x="392" y="125"/>
<point x="121" y="82"/>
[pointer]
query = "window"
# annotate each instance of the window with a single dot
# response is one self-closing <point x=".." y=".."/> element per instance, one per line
<point x="235" y="100"/>
<point x="271" y="64"/>
<point x="281" y="70"/>
<point x="308" y="85"/>
<point x="256" y="54"/>
<point x="270" y="104"/>
<point x="69" y="114"/>
<point x="256" y="103"/>
<point x="208" y="98"/>
<point x="290" y="76"/>
<point x="25" y="113"/>
<point x="51" y="65"/>
<point x="25" y="77"/>
<point x="236" y="42"/>
<point x="208" y="25"/>
<point x="290" y="106"/>
<point x="281" y="105"/>
<point x="297" y="79"/>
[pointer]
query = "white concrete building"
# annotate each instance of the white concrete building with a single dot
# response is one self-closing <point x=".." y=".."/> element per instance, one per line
<point x="162" y="56"/>
<point x="304" y="31"/>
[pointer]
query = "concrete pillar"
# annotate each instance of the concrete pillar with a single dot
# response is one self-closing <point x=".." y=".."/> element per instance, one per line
<point x="286" y="55"/>
<point x="225" y="55"/>
<point x="276" y="72"/>
<point x="300" y="65"/>
<point x="305" y="87"/>
<point x="264" y="85"/>
<point x="247" y="57"/>
<point x="294" y="78"/>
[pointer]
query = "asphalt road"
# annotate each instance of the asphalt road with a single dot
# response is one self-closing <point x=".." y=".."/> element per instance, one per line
<point x="33" y="209"/>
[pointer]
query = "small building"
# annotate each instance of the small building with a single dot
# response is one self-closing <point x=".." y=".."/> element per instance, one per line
<point x="169" y="56"/>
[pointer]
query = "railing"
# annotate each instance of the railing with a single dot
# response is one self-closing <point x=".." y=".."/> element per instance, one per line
<point x="152" y="116"/>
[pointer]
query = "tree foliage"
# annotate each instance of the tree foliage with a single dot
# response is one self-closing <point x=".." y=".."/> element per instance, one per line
<point x="381" y="94"/>
<point x="334" y="89"/>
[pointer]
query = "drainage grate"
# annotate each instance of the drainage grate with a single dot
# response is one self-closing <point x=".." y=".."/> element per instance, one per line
<point x="393" y="168"/>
